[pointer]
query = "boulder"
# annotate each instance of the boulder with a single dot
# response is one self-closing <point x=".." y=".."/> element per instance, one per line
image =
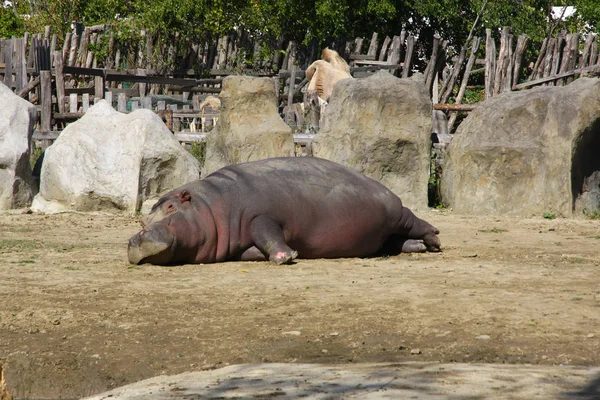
<point x="528" y="153"/>
<point x="109" y="161"/>
<point x="249" y="126"/>
<point x="381" y="127"/>
<point x="17" y="118"/>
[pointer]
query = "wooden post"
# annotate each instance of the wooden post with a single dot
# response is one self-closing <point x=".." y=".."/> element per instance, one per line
<point x="108" y="96"/>
<point x="490" y="63"/>
<point x="176" y="121"/>
<point x="508" y="65"/>
<point x="8" y="63"/>
<point x="73" y="50"/>
<point x="548" y="61"/>
<point x="465" y="80"/>
<point x="394" y="55"/>
<point x="142" y="85"/>
<point x="83" y="48"/>
<point x="560" y="41"/>
<point x="594" y="53"/>
<point x="451" y="81"/>
<point x="384" y="48"/>
<point x="410" y="45"/>
<point x="501" y="63"/>
<point x="373" y="45"/>
<point x="21" y="63"/>
<point x="73" y="103"/>
<point x="430" y="70"/>
<point x="46" y="100"/>
<point x="522" y="43"/>
<point x="539" y="61"/>
<point x="122" y="103"/>
<point x="98" y="87"/>
<point x="585" y="57"/>
<point x="358" y="42"/>
<point x="60" y="81"/>
<point x="315" y="112"/>
<point x="573" y="52"/>
<point x="85" y="102"/>
<point x="52" y="48"/>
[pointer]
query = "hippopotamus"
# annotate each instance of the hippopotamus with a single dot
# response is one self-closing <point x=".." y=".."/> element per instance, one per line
<point x="279" y="209"/>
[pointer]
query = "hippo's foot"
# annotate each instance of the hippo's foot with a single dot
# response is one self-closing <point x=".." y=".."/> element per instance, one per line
<point x="413" y="246"/>
<point x="283" y="257"/>
<point x="432" y="242"/>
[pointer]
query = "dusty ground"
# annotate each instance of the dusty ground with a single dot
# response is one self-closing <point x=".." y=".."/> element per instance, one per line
<point x="76" y="319"/>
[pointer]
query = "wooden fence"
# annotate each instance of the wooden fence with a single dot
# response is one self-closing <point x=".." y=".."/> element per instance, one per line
<point x="63" y="83"/>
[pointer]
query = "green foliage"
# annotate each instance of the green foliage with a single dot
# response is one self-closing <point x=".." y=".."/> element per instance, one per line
<point x="591" y="214"/>
<point x="198" y="150"/>
<point x="10" y="23"/>
<point x="37" y="152"/>
<point x="549" y="216"/>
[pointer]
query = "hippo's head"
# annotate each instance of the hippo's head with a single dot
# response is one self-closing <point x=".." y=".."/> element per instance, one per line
<point x="170" y="234"/>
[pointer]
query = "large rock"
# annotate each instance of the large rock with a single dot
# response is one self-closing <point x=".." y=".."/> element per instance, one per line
<point x="17" y="117"/>
<point x="112" y="161"/>
<point x="249" y="126"/>
<point x="381" y="127"/>
<point x="528" y="153"/>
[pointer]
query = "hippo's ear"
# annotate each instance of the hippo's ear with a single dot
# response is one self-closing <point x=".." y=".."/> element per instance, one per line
<point x="184" y="196"/>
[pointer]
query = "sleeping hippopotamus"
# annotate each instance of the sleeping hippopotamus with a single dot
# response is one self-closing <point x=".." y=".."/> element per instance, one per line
<point x="279" y="209"/>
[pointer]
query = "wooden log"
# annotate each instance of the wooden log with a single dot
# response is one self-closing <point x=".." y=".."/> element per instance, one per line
<point x="410" y="45"/>
<point x="2" y="44"/>
<point x="557" y="56"/>
<point x="573" y="54"/>
<point x="431" y="66"/>
<point x="60" y="81"/>
<point x="465" y="80"/>
<point x="373" y="45"/>
<point x="20" y="64"/>
<point x="30" y="86"/>
<point x="563" y="75"/>
<point x="508" y="66"/>
<point x="98" y="87"/>
<point x="45" y="100"/>
<point x="149" y="50"/>
<point x="394" y="51"/>
<point x="30" y="48"/>
<point x="47" y="30"/>
<point x="8" y="63"/>
<point x="89" y="60"/>
<point x="549" y="56"/>
<point x="501" y="63"/>
<point x="449" y="83"/>
<point x="52" y="48"/>
<point x="73" y="50"/>
<point x="141" y="49"/>
<point x="522" y="43"/>
<point x="401" y="53"/>
<point x="143" y="85"/>
<point x="490" y="64"/>
<point x="454" y="107"/>
<point x="176" y="122"/>
<point x="539" y="60"/>
<point x="85" y="102"/>
<point x="66" y="47"/>
<point x="108" y="96"/>
<point x="384" y="47"/>
<point x="358" y="42"/>
<point x="109" y="61"/>
<point x="568" y="54"/>
<point x="584" y="61"/>
<point x="291" y="84"/>
<point x="285" y="64"/>
<point x="73" y="108"/>
<point x="594" y="53"/>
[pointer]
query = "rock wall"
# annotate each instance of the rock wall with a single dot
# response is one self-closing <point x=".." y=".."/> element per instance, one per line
<point x="112" y="161"/>
<point x="527" y="153"/>
<point x="17" y="117"/>
<point x="249" y="126"/>
<point x="381" y="127"/>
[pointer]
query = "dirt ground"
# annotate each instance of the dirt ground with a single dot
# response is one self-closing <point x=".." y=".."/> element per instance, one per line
<point x="76" y="319"/>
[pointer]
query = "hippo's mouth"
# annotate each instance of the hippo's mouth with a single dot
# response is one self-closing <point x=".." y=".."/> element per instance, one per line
<point x="153" y="245"/>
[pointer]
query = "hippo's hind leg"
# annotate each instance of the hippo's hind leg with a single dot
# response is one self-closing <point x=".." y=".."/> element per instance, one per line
<point x="397" y="244"/>
<point x="268" y="238"/>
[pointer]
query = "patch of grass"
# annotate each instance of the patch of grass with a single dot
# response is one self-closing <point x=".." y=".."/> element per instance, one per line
<point x="493" y="230"/>
<point x="549" y="216"/>
<point x="37" y="152"/>
<point x="198" y="150"/>
<point x="591" y="214"/>
<point x="20" y="244"/>
<point x="24" y="262"/>
<point x="133" y="267"/>
<point x="70" y="268"/>
<point x="594" y="237"/>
